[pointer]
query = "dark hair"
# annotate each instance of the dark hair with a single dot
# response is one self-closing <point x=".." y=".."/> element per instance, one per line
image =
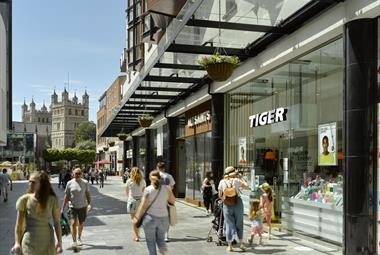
<point x="161" y="165"/>
<point x="45" y="191"/>
<point x="155" y="178"/>
<point x="4" y="170"/>
<point x="325" y="138"/>
<point x="208" y="174"/>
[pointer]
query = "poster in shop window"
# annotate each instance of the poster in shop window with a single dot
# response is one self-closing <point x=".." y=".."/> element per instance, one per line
<point x="327" y="144"/>
<point x="242" y="150"/>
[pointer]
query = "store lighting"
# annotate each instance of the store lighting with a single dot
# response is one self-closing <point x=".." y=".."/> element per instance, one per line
<point x="269" y="155"/>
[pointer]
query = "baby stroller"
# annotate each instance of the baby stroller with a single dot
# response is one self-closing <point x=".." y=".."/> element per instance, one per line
<point x="217" y="227"/>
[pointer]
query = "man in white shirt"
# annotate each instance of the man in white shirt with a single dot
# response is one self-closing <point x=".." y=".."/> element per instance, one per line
<point x="77" y="194"/>
<point x="166" y="179"/>
<point x="5" y="179"/>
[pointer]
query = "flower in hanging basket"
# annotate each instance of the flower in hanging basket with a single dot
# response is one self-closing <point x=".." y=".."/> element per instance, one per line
<point x="105" y="148"/>
<point x="219" y="67"/>
<point x="122" y="136"/>
<point x="145" y="120"/>
<point x="111" y="143"/>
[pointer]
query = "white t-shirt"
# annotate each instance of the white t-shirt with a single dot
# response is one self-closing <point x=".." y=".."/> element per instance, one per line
<point x="160" y="206"/>
<point x="135" y="190"/>
<point x="236" y="183"/>
<point x="167" y="179"/>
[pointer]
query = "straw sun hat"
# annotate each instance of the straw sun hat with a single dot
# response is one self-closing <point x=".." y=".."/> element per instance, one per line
<point x="230" y="171"/>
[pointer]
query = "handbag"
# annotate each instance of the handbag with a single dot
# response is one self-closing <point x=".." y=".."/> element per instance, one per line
<point x="65" y="226"/>
<point x="172" y="214"/>
<point x="140" y="221"/>
<point x="230" y="195"/>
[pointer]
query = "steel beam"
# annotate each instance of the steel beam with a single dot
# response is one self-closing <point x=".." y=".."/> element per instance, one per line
<point x="150" y="97"/>
<point x="178" y="66"/>
<point x="166" y="89"/>
<point x="234" y="26"/>
<point x="171" y="79"/>
<point x="206" y="50"/>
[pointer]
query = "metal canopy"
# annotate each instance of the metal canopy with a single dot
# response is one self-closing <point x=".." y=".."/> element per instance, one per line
<point x="172" y="74"/>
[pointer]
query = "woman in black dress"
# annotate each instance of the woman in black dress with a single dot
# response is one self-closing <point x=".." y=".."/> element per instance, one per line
<point x="208" y="188"/>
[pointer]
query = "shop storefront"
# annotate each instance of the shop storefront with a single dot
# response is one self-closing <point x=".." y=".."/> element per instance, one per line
<point x="285" y="128"/>
<point x="194" y="149"/>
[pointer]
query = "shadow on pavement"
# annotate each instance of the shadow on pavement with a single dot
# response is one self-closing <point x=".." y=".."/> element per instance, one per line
<point x="101" y="247"/>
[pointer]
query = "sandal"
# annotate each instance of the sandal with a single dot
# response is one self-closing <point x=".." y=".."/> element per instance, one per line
<point x="137" y="239"/>
<point x="229" y="248"/>
<point x="242" y="247"/>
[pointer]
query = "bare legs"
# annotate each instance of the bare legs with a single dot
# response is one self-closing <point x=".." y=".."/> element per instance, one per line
<point x="135" y="230"/>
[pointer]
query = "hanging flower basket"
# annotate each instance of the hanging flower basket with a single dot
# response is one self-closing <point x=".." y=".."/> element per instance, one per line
<point x="219" y="67"/>
<point x="145" y="120"/>
<point x="105" y="148"/>
<point x="122" y="136"/>
<point x="111" y="143"/>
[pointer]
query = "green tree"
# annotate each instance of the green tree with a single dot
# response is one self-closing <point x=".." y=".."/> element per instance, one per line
<point x="86" y="145"/>
<point x="85" y="132"/>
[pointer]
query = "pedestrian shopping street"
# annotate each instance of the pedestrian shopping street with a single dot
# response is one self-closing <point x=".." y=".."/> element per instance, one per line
<point x="109" y="231"/>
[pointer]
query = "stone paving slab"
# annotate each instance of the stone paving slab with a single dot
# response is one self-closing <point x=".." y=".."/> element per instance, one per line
<point x="109" y="230"/>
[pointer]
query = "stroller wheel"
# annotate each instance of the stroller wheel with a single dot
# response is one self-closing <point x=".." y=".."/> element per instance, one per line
<point x="209" y="239"/>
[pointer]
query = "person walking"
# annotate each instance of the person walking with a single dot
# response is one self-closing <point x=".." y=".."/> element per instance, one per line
<point x="134" y="188"/>
<point x="33" y="233"/>
<point x="154" y="214"/>
<point x="233" y="209"/>
<point x="5" y="180"/>
<point x="101" y="178"/>
<point x="77" y="194"/>
<point x="256" y="217"/>
<point x="168" y="180"/>
<point x="208" y="188"/>
<point x="266" y="200"/>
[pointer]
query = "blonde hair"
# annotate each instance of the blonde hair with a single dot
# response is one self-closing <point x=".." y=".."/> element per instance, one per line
<point x="155" y="178"/>
<point x="136" y="175"/>
<point x="254" y="210"/>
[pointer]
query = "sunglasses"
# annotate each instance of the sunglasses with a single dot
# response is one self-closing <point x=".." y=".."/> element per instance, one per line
<point x="78" y="173"/>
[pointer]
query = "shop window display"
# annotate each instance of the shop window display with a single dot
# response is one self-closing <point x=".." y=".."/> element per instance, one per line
<point x="285" y="128"/>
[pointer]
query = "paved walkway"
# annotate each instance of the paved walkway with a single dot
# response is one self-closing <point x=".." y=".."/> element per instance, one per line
<point x="108" y="229"/>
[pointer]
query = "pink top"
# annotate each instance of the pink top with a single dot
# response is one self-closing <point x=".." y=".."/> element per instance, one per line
<point x="266" y="204"/>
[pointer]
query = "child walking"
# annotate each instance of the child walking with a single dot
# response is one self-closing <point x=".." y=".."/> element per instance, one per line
<point x="256" y="217"/>
<point x="266" y="203"/>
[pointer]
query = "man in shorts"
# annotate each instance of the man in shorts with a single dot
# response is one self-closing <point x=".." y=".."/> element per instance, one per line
<point x="166" y="179"/>
<point x="5" y="179"/>
<point x="77" y="194"/>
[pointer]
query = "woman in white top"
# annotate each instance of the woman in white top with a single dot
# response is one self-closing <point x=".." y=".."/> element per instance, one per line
<point x="156" y="220"/>
<point x="134" y="188"/>
<point x="233" y="209"/>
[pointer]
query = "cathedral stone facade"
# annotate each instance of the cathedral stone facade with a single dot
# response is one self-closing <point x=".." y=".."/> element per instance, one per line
<point x="67" y="114"/>
<point x="32" y="115"/>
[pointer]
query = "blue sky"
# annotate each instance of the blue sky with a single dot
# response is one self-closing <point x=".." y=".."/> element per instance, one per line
<point x="53" y="38"/>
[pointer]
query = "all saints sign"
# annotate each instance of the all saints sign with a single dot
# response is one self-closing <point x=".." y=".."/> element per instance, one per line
<point x="199" y="119"/>
<point x="269" y="117"/>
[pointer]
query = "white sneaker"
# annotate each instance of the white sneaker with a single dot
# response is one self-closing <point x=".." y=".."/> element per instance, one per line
<point x="74" y="245"/>
<point x="167" y="239"/>
<point x="79" y="243"/>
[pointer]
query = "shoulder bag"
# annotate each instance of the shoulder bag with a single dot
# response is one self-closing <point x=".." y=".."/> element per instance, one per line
<point x="230" y="195"/>
<point x="140" y="221"/>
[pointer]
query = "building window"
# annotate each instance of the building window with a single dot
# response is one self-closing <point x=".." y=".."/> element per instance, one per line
<point x="82" y="113"/>
<point x="69" y="111"/>
<point x="39" y="120"/>
<point x="76" y="112"/>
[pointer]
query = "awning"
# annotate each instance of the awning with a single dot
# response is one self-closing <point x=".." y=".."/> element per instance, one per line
<point x="242" y="28"/>
<point x="102" y="162"/>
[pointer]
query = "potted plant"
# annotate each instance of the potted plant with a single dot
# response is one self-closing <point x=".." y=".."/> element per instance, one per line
<point x="111" y="143"/>
<point x="105" y="148"/>
<point x="122" y="136"/>
<point x="145" y="120"/>
<point x="219" y="67"/>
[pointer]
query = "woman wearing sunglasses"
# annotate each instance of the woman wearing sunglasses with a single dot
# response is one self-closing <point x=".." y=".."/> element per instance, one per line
<point x="33" y="233"/>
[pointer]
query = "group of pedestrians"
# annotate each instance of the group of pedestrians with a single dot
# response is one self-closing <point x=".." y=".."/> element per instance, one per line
<point x="233" y="209"/>
<point x="33" y="233"/>
<point x="148" y="206"/>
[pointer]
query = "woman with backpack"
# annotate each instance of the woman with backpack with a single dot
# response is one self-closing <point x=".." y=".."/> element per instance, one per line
<point x="233" y="209"/>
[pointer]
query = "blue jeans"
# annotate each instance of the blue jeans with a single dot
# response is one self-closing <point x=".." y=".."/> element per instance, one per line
<point x="155" y="228"/>
<point x="233" y="216"/>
